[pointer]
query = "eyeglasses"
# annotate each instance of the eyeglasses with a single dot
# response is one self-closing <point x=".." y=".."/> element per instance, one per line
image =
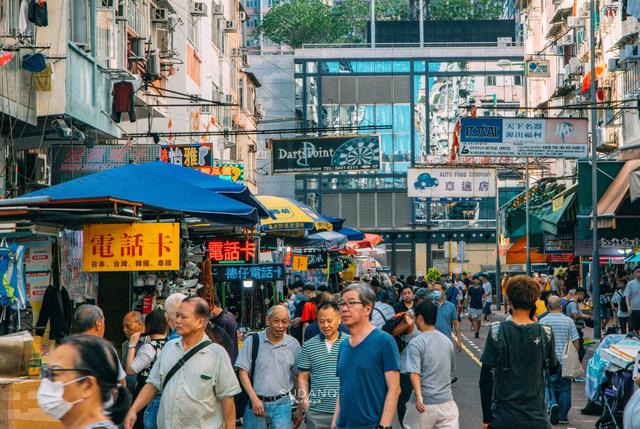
<point x="349" y="304"/>
<point x="47" y="372"/>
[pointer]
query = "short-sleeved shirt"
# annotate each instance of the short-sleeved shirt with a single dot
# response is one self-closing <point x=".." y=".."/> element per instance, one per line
<point x="227" y="322"/>
<point x="564" y="329"/>
<point x="198" y="387"/>
<point x="363" y="386"/>
<point x="382" y="312"/>
<point x="434" y="368"/>
<point x="275" y="364"/>
<point x="447" y="314"/>
<point x="518" y="383"/>
<point x="321" y="363"/>
<point x="475" y="294"/>
<point x="618" y="296"/>
<point x="308" y="312"/>
<point x="403" y="354"/>
<point x="632" y="291"/>
<point x="574" y="308"/>
<point x="313" y="329"/>
<point x="488" y="291"/>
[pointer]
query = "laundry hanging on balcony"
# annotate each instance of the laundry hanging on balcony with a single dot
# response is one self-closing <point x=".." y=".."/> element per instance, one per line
<point x="586" y="80"/>
<point x="123" y="101"/>
<point x="38" y="13"/>
<point x="34" y="63"/>
<point x="44" y="79"/>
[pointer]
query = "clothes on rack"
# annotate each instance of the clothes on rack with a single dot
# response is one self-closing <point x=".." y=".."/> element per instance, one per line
<point x="123" y="101"/>
<point x="56" y="308"/>
<point x="38" y="13"/>
<point x="44" y="78"/>
<point x="34" y="63"/>
<point x="23" y="17"/>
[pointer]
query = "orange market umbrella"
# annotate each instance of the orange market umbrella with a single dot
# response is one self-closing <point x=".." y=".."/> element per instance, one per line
<point x="370" y="240"/>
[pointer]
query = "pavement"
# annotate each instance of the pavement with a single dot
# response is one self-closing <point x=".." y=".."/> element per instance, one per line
<point x="467" y="393"/>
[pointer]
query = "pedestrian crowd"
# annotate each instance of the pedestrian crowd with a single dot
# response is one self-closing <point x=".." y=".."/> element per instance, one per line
<point x="381" y="353"/>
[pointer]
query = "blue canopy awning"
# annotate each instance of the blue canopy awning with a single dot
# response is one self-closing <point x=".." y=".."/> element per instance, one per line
<point x="352" y="233"/>
<point x="227" y="188"/>
<point x="163" y="190"/>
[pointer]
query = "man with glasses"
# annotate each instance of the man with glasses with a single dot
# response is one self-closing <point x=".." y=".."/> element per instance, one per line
<point x="368" y="366"/>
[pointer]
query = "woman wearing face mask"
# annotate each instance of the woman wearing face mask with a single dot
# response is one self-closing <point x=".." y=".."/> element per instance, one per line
<point x="80" y="386"/>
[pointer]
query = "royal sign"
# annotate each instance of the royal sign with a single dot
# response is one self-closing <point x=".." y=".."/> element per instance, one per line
<point x="131" y="247"/>
<point x="524" y="137"/>
<point x="231" y="251"/>
<point x="451" y="184"/>
<point x="330" y="154"/>
<point x="257" y="272"/>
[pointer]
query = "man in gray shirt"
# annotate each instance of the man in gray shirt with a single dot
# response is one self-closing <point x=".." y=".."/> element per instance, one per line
<point x="273" y="376"/>
<point x="632" y="295"/>
<point x="430" y="362"/>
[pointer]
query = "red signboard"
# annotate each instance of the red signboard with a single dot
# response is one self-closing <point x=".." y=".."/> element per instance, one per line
<point x="231" y="251"/>
<point x="562" y="258"/>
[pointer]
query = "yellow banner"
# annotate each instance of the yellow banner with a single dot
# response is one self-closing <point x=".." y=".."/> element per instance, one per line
<point x="300" y="263"/>
<point x="131" y="247"/>
<point x="557" y="203"/>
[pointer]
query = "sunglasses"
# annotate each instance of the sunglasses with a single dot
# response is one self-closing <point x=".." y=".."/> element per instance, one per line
<point x="47" y="372"/>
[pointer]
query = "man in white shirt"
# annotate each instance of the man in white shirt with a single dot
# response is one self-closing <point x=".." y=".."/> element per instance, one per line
<point x="488" y="297"/>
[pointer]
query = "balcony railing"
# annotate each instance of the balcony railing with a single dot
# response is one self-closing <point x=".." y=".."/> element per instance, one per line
<point x="458" y="224"/>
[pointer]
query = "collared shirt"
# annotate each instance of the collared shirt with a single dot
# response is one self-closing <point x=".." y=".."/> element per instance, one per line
<point x="321" y="363"/>
<point x="192" y="397"/>
<point x="563" y="329"/>
<point x="275" y="364"/>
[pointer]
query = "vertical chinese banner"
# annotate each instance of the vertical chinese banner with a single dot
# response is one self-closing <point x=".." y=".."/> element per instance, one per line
<point x="131" y="247"/>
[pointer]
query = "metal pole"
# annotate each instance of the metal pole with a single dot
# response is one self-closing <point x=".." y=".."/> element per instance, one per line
<point x="421" y="22"/>
<point x="498" y="282"/>
<point x="595" y="257"/>
<point x="526" y="114"/>
<point x="451" y="258"/>
<point x="373" y="23"/>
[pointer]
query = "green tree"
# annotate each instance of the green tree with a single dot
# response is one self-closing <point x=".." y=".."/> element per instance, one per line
<point x="352" y="16"/>
<point x="465" y="9"/>
<point x="298" y="22"/>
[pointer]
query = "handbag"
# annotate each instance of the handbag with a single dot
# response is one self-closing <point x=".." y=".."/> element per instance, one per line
<point x="571" y="366"/>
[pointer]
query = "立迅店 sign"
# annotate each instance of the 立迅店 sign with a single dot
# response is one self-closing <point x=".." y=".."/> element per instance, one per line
<point x="131" y="247"/>
<point x="231" y="251"/>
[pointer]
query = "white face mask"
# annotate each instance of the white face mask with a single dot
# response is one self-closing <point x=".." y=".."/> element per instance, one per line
<point x="50" y="397"/>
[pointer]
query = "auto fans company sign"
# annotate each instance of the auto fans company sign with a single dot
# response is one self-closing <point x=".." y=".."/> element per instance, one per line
<point x="453" y="184"/>
<point x="343" y="153"/>
<point x="523" y="137"/>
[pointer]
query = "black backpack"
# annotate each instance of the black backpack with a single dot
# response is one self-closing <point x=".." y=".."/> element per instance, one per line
<point x="390" y="325"/>
<point x="623" y="303"/>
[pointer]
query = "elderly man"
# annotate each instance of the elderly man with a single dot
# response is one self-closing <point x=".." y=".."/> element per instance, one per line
<point x="368" y="365"/>
<point x="317" y="362"/>
<point x="171" y="305"/>
<point x="89" y="319"/>
<point x="273" y="375"/>
<point x="199" y="393"/>
<point x="558" y="387"/>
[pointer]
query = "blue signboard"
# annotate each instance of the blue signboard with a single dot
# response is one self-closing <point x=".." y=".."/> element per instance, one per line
<point x="481" y="130"/>
<point x="257" y="272"/>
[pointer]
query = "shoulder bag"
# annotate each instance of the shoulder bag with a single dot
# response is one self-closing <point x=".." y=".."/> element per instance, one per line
<point x="571" y="366"/>
<point x="183" y="360"/>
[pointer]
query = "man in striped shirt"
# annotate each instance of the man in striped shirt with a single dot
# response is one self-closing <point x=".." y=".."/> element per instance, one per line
<point x="558" y="391"/>
<point x="317" y="362"/>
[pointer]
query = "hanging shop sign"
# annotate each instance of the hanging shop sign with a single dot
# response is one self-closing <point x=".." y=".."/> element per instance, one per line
<point x="231" y="251"/>
<point x="300" y="263"/>
<point x="258" y="272"/>
<point x="317" y="258"/>
<point x="233" y="172"/>
<point x="80" y="284"/>
<point x="37" y="263"/>
<point x="72" y="161"/>
<point x="522" y="137"/>
<point x="344" y="153"/>
<point x="538" y="68"/>
<point x="451" y="184"/>
<point x="190" y="155"/>
<point x="131" y="247"/>
<point x="559" y="243"/>
<point x="562" y="258"/>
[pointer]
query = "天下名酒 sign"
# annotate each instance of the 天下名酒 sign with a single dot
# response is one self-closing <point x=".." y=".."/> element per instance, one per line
<point x="131" y="247"/>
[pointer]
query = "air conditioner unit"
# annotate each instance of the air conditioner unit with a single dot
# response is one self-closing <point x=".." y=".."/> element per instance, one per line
<point x="230" y="27"/>
<point x="228" y="144"/>
<point x="219" y="96"/>
<point x="138" y="48"/>
<point x="567" y="40"/>
<point x="251" y="147"/>
<point x="575" y="22"/>
<point x="630" y="53"/>
<point x="152" y="68"/>
<point x="218" y="9"/>
<point x="198" y="8"/>
<point x="259" y="111"/>
<point x="160" y="16"/>
<point x="614" y="65"/>
<point x="561" y="80"/>
<point x="228" y="99"/>
<point x="237" y="52"/>
<point x="261" y="155"/>
<point x="208" y="109"/>
<point x="558" y="49"/>
<point x="242" y="16"/>
<point x="38" y="169"/>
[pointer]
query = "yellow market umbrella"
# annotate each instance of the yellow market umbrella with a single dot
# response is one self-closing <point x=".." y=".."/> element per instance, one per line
<point x="290" y="215"/>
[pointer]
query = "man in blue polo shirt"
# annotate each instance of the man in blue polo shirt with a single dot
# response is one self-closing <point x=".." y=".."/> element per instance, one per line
<point x="368" y="366"/>
<point x="317" y="362"/>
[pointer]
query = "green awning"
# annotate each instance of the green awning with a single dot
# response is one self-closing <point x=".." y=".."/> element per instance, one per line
<point x="566" y="213"/>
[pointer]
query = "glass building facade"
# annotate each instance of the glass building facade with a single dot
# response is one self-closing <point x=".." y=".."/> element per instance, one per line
<point x="419" y="102"/>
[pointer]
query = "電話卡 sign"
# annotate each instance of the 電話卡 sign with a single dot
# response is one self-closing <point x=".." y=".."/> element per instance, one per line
<point x="524" y="137"/>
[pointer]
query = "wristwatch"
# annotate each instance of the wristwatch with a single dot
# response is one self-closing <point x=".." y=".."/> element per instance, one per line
<point x="131" y="346"/>
<point x="382" y="427"/>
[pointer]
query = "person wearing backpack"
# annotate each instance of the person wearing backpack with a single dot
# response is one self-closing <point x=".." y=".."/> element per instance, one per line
<point x="516" y="355"/>
<point x="620" y="306"/>
<point x="194" y="375"/>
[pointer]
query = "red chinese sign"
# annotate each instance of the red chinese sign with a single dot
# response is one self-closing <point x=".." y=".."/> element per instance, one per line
<point x="231" y="251"/>
<point x="131" y="247"/>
